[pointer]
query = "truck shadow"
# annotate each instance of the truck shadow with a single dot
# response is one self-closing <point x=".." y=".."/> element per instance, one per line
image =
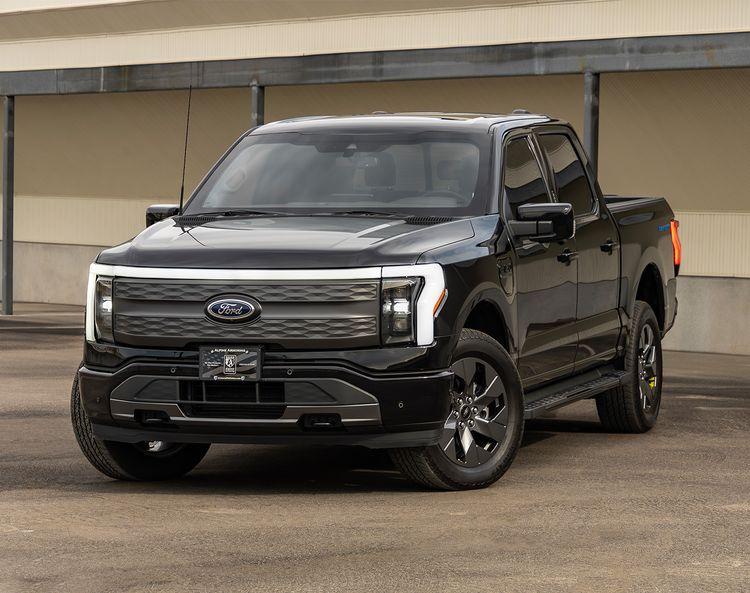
<point x="269" y="470"/>
<point x="272" y="470"/>
<point x="541" y="429"/>
<point x="246" y="470"/>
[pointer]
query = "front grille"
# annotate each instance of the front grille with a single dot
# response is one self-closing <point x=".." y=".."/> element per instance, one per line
<point x="171" y="313"/>
<point x="232" y="392"/>
<point x="266" y="329"/>
<point x="200" y="399"/>
<point x="232" y="411"/>
<point x="265" y="293"/>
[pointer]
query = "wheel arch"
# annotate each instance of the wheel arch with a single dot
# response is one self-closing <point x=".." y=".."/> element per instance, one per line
<point x="488" y="311"/>
<point x="650" y="289"/>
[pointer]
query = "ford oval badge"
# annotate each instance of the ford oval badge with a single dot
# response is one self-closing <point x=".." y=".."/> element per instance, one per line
<point x="233" y="309"/>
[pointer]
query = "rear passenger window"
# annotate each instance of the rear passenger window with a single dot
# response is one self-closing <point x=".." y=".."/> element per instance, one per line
<point x="522" y="176"/>
<point x="572" y="184"/>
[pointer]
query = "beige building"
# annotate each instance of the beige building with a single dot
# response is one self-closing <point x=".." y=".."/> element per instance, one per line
<point x="100" y="96"/>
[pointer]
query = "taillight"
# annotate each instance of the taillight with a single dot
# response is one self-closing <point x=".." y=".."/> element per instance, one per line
<point x="676" y="245"/>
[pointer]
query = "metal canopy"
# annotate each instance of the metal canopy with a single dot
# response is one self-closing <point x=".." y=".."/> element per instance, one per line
<point x="726" y="50"/>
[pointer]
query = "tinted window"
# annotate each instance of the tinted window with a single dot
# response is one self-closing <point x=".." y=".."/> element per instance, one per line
<point x="522" y="176"/>
<point x="441" y="173"/>
<point x="572" y="184"/>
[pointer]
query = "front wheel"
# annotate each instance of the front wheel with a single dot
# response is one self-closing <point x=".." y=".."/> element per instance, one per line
<point x="484" y="427"/>
<point x="151" y="460"/>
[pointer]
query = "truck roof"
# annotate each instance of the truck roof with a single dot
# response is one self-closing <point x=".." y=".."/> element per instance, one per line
<point x="411" y="122"/>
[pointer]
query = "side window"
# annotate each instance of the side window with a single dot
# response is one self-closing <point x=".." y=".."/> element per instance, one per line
<point x="522" y="176"/>
<point x="570" y="177"/>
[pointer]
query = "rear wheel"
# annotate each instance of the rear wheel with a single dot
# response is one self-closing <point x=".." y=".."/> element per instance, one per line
<point x="483" y="430"/>
<point x="150" y="460"/>
<point x="634" y="405"/>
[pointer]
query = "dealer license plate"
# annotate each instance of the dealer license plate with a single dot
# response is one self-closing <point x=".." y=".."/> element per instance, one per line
<point x="229" y="363"/>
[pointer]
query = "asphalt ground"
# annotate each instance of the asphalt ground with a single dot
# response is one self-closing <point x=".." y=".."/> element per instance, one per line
<point x="580" y="510"/>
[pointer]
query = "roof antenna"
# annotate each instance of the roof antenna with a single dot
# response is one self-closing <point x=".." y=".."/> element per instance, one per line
<point x="184" y="154"/>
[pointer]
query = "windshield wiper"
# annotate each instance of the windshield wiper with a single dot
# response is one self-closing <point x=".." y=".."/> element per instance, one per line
<point x="245" y="212"/>
<point x="363" y="213"/>
<point x="238" y="212"/>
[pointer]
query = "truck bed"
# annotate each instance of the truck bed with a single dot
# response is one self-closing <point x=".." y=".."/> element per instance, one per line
<point x="645" y="239"/>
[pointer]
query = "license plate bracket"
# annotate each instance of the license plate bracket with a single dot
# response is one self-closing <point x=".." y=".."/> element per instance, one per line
<point x="229" y="363"/>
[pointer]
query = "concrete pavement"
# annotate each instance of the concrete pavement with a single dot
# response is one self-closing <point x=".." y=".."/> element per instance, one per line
<point x="580" y="510"/>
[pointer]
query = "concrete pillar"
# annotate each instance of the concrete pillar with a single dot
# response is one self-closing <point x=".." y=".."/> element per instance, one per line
<point x="7" y="248"/>
<point x="591" y="117"/>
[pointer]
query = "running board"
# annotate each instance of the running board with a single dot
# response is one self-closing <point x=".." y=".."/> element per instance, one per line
<point x="571" y="390"/>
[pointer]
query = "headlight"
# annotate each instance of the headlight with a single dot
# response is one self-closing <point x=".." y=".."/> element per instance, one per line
<point x="398" y="298"/>
<point x="103" y="309"/>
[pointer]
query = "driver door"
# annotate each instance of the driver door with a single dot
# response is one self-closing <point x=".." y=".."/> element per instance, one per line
<point x="545" y="279"/>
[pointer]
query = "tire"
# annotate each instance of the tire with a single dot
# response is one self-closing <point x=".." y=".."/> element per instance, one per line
<point x="131" y="461"/>
<point x="497" y="410"/>
<point x="633" y="407"/>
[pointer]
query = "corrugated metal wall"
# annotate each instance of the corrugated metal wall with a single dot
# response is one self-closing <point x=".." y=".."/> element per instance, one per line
<point x="483" y="25"/>
<point x="715" y="244"/>
<point x="87" y="166"/>
<point x="125" y="150"/>
<point x="684" y="135"/>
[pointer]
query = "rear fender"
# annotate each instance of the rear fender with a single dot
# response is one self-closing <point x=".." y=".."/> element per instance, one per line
<point x="650" y="257"/>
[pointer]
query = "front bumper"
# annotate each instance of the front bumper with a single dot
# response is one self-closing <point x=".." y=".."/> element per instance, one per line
<point x="302" y="397"/>
<point x="372" y="440"/>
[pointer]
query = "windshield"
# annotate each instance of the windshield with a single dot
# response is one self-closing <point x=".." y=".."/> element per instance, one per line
<point x="424" y="173"/>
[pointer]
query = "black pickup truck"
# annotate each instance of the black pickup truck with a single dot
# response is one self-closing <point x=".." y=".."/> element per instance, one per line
<point x="416" y="282"/>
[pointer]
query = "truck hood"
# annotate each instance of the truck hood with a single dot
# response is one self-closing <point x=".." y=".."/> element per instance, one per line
<point x="287" y="242"/>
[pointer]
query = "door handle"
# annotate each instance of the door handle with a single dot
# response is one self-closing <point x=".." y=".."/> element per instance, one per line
<point x="567" y="256"/>
<point x="608" y="246"/>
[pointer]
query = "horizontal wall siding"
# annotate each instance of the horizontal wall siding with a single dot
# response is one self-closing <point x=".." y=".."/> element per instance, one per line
<point x="486" y="25"/>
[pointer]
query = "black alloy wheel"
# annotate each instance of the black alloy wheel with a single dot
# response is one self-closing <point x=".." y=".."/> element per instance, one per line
<point x="484" y="426"/>
<point x="634" y="405"/>
<point x="648" y="370"/>
<point x="478" y="421"/>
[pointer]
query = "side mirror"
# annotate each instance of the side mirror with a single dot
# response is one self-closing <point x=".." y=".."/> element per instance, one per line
<point x="159" y="212"/>
<point x="545" y="223"/>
